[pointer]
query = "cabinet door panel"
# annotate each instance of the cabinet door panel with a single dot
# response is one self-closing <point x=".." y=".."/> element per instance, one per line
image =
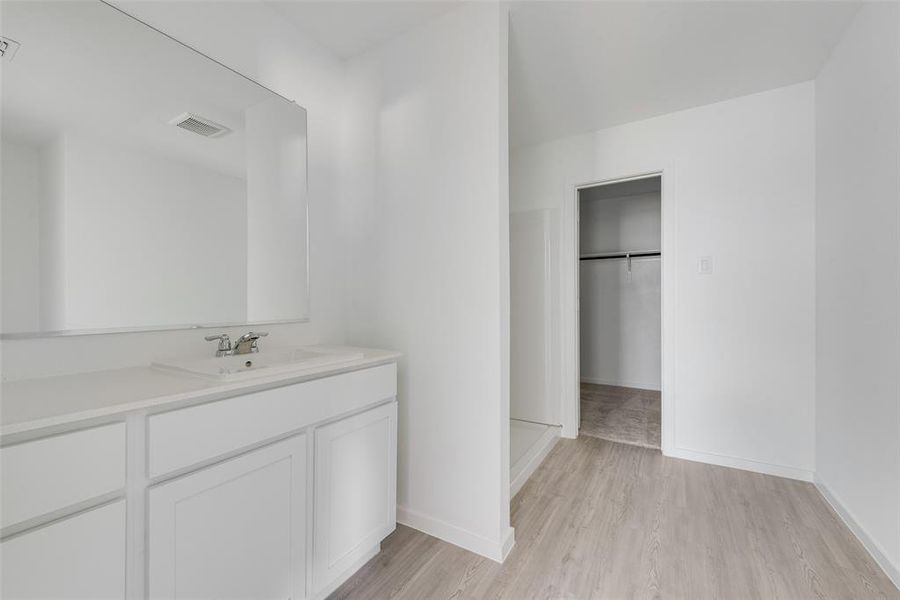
<point x="233" y="530"/>
<point x="355" y="490"/>
<point x="82" y="556"/>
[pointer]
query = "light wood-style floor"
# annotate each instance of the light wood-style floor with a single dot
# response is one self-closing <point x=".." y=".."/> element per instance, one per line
<point x="621" y="414"/>
<point x="606" y="520"/>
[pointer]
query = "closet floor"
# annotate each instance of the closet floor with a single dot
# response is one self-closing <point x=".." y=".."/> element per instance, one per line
<point x="620" y="414"/>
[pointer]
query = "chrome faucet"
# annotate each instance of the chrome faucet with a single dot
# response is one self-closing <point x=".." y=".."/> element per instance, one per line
<point x="245" y="344"/>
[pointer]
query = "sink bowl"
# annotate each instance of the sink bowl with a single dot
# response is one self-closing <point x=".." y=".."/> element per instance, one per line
<point x="259" y="364"/>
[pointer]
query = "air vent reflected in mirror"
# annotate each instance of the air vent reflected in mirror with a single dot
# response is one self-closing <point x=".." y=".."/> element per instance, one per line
<point x="199" y="125"/>
<point x="8" y="48"/>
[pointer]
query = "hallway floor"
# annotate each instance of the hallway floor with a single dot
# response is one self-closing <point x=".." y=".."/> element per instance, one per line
<point x="606" y="520"/>
<point x="620" y="414"/>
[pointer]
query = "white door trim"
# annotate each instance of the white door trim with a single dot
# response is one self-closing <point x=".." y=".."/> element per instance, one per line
<point x="569" y="304"/>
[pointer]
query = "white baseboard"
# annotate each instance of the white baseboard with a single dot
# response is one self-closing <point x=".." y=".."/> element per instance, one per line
<point x="494" y="550"/>
<point x="873" y="547"/>
<point x="740" y="463"/>
<point x="628" y="384"/>
<point x="528" y="464"/>
<point x="509" y="540"/>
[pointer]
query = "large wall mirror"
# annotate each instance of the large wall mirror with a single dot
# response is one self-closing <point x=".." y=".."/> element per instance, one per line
<point x="144" y="185"/>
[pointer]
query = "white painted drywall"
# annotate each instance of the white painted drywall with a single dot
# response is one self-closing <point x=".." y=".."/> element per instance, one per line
<point x="610" y="223"/>
<point x="621" y="323"/>
<point x="738" y="186"/>
<point x="534" y="315"/>
<point x="52" y="236"/>
<point x="427" y="221"/>
<point x="179" y="231"/>
<point x="20" y="216"/>
<point x="621" y="315"/>
<point x="276" y="215"/>
<point x="276" y="54"/>
<point x="858" y="280"/>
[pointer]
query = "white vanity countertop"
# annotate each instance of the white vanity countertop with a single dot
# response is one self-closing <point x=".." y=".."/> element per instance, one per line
<point x="32" y="404"/>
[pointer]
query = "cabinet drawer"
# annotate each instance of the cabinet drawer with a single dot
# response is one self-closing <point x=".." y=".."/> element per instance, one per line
<point x="49" y="474"/>
<point x="82" y="556"/>
<point x="181" y="438"/>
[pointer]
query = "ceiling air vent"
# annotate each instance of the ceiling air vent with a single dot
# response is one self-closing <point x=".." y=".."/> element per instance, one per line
<point x="8" y="48"/>
<point x="199" y="125"/>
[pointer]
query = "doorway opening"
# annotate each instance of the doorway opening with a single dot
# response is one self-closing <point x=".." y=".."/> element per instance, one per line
<point x="619" y="317"/>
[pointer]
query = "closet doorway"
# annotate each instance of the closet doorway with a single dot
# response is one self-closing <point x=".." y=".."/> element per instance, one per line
<point x="620" y="311"/>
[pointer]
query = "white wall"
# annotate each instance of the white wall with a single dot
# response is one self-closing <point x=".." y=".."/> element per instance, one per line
<point x="179" y="232"/>
<point x="534" y="311"/>
<point x="276" y="54"/>
<point x="621" y="323"/>
<point x="52" y="236"/>
<point x="19" y="215"/>
<point x="427" y="221"/>
<point x="738" y="186"/>
<point x="621" y="314"/>
<point x="858" y="280"/>
<point x="609" y="223"/>
<point x="276" y="222"/>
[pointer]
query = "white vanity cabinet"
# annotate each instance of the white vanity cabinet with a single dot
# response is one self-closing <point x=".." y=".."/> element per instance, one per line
<point x="234" y="530"/>
<point x="281" y="492"/>
<point x="355" y="475"/>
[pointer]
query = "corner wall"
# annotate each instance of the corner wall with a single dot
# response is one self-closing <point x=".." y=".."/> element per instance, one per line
<point x="426" y="219"/>
<point x="858" y="281"/>
<point x="738" y="185"/>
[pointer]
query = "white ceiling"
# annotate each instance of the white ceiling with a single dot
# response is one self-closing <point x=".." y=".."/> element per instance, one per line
<point x="350" y="27"/>
<point x="581" y="66"/>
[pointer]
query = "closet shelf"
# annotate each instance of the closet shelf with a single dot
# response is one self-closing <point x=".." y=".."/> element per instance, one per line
<point x="606" y="255"/>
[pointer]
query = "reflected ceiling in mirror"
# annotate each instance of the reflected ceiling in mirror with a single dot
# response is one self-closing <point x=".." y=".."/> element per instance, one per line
<point x="144" y="185"/>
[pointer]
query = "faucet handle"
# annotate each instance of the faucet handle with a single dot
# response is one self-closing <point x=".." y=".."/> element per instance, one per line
<point x="252" y="336"/>
<point x="224" y="341"/>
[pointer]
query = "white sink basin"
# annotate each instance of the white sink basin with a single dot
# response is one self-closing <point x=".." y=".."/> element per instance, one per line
<point x="259" y="364"/>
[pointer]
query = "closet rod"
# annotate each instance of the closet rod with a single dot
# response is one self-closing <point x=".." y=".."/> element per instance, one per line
<point x="619" y="255"/>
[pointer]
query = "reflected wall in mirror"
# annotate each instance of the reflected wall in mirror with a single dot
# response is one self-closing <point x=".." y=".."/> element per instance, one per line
<point x="144" y="185"/>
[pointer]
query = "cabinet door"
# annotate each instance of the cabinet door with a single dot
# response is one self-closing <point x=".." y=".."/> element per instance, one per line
<point x="355" y="490"/>
<point x="234" y="530"/>
<point x="82" y="556"/>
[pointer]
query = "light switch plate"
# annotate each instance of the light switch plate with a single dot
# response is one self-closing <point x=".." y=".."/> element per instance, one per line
<point x="704" y="265"/>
